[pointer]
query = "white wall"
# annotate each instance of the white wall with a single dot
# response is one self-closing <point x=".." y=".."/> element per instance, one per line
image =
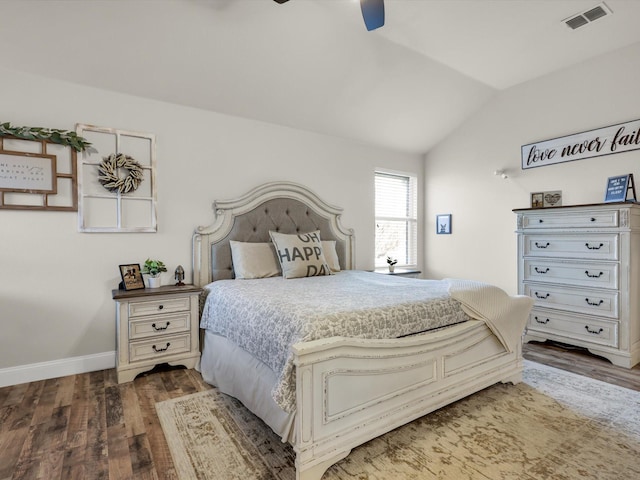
<point x="55" y="286"/>
<point x="459" y="175"/>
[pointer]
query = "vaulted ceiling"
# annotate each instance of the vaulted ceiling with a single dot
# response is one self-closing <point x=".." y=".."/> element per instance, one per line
<point x="311" y="64"/>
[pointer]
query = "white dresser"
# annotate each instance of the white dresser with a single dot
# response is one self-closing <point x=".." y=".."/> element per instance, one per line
<point x="581" y="265"/>
<point x="156" y="325"/>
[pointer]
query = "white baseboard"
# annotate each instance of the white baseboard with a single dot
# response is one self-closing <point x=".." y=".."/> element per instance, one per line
<point x="57" y="368"/>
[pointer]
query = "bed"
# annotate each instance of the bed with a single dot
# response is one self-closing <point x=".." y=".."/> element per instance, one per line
<point x="328" y="394"/>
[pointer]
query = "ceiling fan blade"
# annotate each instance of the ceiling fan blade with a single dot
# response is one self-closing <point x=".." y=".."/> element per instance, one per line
<point x="372" y="13"/>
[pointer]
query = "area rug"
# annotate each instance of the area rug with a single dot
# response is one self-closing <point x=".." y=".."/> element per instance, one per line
<point x="554" y="425"/>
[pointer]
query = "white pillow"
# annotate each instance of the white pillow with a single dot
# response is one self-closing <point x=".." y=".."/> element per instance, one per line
<point x="330" y="254"/>
<point x="300" y="255"/>
<point x="254" y="260"/>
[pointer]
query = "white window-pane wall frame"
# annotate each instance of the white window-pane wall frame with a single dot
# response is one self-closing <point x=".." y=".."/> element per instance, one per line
<point x="396" y="217"/>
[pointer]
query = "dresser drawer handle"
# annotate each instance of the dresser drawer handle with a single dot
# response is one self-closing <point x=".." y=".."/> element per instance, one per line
<point x="545" y="296"/>
<point x="593" y="219"/>
<point x="543" y="322"/>
<point x="539" y="245"/>
<point x="159" y="329"/>
<point x="598" y="275"/>
<point x="595" y="332"/>
<point x="158" y="350"/>
<point x="594" y="304"/>
<point x="594" y="248"/>
<point x="546" y="270"/>
<point x="540" y="221"/>
<point x="160" y="307"/>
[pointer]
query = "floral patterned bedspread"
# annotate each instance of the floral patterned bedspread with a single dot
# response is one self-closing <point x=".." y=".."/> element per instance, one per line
<point x="267" y="316"/>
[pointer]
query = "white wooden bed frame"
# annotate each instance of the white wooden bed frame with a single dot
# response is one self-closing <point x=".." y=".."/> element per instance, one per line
<point x="350" y="391"/>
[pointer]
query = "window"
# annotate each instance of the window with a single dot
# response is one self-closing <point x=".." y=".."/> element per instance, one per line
<point x="396" y="218"/>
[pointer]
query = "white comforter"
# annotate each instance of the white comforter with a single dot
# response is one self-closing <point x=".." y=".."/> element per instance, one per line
<point x="267" y="316"/>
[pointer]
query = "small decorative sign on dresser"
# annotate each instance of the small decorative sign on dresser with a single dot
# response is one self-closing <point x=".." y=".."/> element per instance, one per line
<point x="618" y="189"/>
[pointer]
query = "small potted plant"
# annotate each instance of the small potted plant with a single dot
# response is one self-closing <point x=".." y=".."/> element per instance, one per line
<point x="153" y="268"/>
<point x="392" y="263"/>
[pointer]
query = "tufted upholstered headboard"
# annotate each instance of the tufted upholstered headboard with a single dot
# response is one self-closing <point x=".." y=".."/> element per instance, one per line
<point x="281" y="206"/>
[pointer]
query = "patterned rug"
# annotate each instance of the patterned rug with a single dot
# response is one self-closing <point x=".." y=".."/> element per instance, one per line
<point x="554" y="425"/>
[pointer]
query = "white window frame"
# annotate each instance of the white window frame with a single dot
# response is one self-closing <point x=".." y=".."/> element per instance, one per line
<point x="411" y="218"/>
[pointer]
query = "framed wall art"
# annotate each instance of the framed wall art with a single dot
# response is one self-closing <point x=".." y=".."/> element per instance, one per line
<point x="117" y="182"/>
<point x="37" y="175"/>
<point x="443" y="224"/>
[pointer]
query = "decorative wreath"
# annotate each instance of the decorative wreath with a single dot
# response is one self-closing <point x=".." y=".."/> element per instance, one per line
<point x="111" y="180"/>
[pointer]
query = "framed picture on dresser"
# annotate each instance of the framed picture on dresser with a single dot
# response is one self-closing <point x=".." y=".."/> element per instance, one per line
<point x="537" y="200"/>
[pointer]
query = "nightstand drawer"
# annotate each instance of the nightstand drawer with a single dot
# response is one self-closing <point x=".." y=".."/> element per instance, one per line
<point x="564" y="220"/>
<point x="160" y="347"/>
<point x="165" y="305"/>
<point x="600" y="331"/>
<point x="159" y="325"/>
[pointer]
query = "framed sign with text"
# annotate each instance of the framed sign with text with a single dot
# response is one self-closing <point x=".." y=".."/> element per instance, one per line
<point x="618" y="189"/>
<point x="622" y="137"/>
<point x="37" y="175"/>
<point x="27" y="172"/>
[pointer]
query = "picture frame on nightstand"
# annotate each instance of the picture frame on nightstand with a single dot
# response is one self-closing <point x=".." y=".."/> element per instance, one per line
<point x="131" y="277"/>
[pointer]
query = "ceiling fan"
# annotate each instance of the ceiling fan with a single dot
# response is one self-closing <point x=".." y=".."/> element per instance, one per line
<point x="372" y="12"/>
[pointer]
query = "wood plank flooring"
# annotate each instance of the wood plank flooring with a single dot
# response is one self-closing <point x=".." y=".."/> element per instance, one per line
<point x="89" y="427"/>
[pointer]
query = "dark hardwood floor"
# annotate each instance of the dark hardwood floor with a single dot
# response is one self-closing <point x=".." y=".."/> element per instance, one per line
<point x="89" y="427"/>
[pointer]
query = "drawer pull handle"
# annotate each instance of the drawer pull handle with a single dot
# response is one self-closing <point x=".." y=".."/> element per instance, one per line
<point x="539" y="245"/>
<point x="160" y="307"/>
<point x="547" y="295"/>
<point x="594" y="304"/>
<point x="598" y="275"/>
<point x="546" y="270"/>
<point x="541" y="220"/>
<point x="159" y="329"/>
<point x="595" y="332"/>
<point x="594" y="248"/>
<point x="543" y="322"/>
<point x="593" y="219"/>
<point x="158" y="350"/>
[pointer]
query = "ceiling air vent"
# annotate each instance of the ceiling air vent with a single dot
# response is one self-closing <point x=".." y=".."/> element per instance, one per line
<point x="588" y="16"/>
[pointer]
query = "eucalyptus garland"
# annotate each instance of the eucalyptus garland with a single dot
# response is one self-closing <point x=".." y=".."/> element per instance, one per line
<point x="110" y="179"/>
<point x="62" y="137"/>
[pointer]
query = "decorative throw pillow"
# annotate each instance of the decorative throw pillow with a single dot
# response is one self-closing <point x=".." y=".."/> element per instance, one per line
<point x="254" y="260"/>
<point x="330" y="255"/>
<point x="300" y="255"/>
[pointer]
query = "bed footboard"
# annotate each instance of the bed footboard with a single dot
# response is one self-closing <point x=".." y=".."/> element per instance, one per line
<point x="350" y="391"/>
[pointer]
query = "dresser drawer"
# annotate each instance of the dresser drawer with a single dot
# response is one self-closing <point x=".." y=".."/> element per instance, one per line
<point x="600" y="331"/>
<point x="588" y="246"/>
<point x="159" y="347"/>
<point x="594" y="302"/>
<point x="587" y="274"/>
<point x="564" y="220"/>
<point x="165" y="305"/>
<point x="159" y="324"/>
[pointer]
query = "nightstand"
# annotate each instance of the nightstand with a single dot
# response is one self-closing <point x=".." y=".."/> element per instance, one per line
<point x="156" y="325"/>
